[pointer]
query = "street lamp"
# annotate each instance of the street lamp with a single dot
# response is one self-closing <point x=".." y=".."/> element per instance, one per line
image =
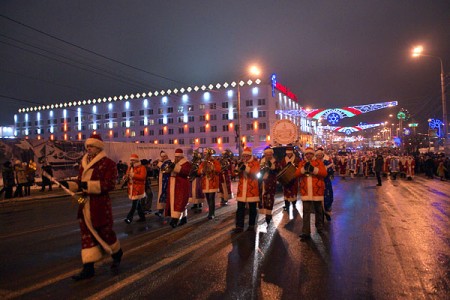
<point x="255" y="71"/>
<point x="418" y="51"/>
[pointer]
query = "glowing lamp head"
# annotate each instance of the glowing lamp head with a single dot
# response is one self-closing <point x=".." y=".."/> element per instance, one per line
<point x="417" y="51"/>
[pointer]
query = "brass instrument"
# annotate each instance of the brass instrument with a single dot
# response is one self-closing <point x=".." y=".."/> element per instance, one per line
<point x="266" y="166"/>
<point x="167" y="167"/>
<point x="196" y="160"/>
<point x="240" y="167"/>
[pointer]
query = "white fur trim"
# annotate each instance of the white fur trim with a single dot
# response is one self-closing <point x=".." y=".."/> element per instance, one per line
<point x="90" y="255"/>
<point x="94" y="187"/>
<point x="95" y="142"/>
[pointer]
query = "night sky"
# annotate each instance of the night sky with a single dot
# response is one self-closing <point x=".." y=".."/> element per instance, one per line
<point x="329" y="53"/>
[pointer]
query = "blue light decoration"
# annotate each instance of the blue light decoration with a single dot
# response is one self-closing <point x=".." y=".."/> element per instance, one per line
<point x="406" y="131"/>
<point x="350" y="130"/>
<point x="273" y="79"/>
<point x="334" y="115"/>
<point x="435" y="124"/>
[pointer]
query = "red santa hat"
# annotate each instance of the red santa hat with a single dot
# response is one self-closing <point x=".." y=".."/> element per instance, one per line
<point x="134" y="157"/>
<point x="268" y="150"/>
<point x="309" y="150"/>
<point x="96" y="141"/>
<point x="178" y="152"/>
<point x="289" y="149"/>
<point x="320" y="151"/>
<point x="247" y="151"/>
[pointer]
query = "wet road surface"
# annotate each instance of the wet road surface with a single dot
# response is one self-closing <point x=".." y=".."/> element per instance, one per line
<point x="389" y="242"/>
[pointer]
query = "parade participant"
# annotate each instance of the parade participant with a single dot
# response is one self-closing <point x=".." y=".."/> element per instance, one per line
<point x="225" y="177"/>
<point x="178" y="189"/>
<point x="196" y="196"/>
<point x="379" y="163"/>
<point x="353" y="166"/>
<point x="209" y="171"/>
<point x="147" y="202"/>
<point x="290" y="190"/>
<point x="328" y="196"/>
<point x="135" y="176"/>
<point x="97" y="177"/>
<point x="394" y="167"/>
<point x="163" y="181"/>
<point x="248" y="191"/>
<point x="402" y="166"/>
<point x="342" y="162"/>
<point x="269" y="168"/>
<point x="386" y="164"/>
<point x="312" y="186"/>
<point x="410" y="165"/>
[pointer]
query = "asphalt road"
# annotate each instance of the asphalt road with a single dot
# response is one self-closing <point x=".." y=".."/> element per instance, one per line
<point x="389" y="242"/>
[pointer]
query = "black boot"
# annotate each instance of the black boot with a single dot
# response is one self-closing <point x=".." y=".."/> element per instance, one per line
<point x="117" y="258"/>
<point x="183" y="221"/>
<point x="195" y="206"/>
<point x="286" y="205"/>
<point x="268" y="219"/>
<point x="87" y="272"/>
<point x="173" y="222"/>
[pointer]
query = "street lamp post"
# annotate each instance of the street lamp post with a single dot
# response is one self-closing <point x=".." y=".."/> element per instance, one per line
<point x="417" y="51"/>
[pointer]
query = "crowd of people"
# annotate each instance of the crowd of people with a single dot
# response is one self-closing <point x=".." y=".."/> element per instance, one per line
<point x="18" y="178"/>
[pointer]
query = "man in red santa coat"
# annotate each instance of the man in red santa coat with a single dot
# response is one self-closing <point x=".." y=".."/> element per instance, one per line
<point x="136" y="175"/>
<point x="97" y="177"/>
<point x="178" y="189"/>
<point x="290" y="190"/>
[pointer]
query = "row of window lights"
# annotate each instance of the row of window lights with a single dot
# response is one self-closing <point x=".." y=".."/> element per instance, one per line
<point x="138" y="95"/>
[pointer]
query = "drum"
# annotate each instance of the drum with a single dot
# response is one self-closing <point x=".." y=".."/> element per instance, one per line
<point x="286" y="175"/>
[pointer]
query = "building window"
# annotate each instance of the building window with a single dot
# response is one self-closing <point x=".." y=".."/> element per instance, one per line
<point x="202" y="129"/>
<point x="191" y="118"/>
<point x="262" y="138"/>
<point x="180" y="119"/>
<point x="106" y="117"/>
<point x="160" y="121"/>
<point x="262" y="126"/>
<point x="224" y="104"/>
<point x="181" y="141"/>
<point x="249" y="115"/>
<point x="224" y="116"/>
<point x="249" y="126"/>
<point x="251" y="138"/>
<point x="160" y="141"/>
<point x="160" y="111"/>
<point x="170" y="130"/>
<point x="170" y="110"/>
<point x="249" y="102"/>
<point x="213" y="117"/>
<point x="151" y="132"/>
<point x="150" y="111"/>
<point x="141" y="123"/>
<point x="214" y="140"/>
<point x="124" y="114"/>
<point x="262" y="114"/>
<point x="226" y="139"/>
<point x="191" y="130"/>
<point x="202" y="141"/>
<point x="213" y="128"/>
<point x="261" y="101"/>
<point x="180" y="109"/>
<point x="190" y="107"/>
<point x="180" y="130"/>
<point x="141" y="133"/>
<point x="132" y="113"/>
<point x="201" y="107"/>
<point x="202" y="118"/>
<point x="114" y="115"/>
<point x="151" y="122"/>
<point x="141" y="112"/>
<point x="161" y="132"/>
<point x="225" y="128"/>
<point x="212" y="106"/>
<point x="169" y="120"/>
<point x="171" y="141"/>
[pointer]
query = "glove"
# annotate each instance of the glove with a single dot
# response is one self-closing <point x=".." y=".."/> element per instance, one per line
<point x="307" y="165"/>
<point x="64" y="184"/>
<point x="84" y="185"/>
<point x="311" y="169"/>
<point x="269" y="163"/>
<point x="172" y="166"/>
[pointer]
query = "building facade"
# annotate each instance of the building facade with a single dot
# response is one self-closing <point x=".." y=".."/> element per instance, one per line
<point x="197" y="117"/>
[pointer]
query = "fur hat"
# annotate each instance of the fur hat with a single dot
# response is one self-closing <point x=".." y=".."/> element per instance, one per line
<point x="178" y="152"/>
<point x="162" y="153"/>
<point x="96" y="141"/>
<point x="289" y="149"/>
<point x="134" y="157"/>
<point x="247" y="151"/>
<point x="309" y="150"/>
<point x="268" y="150"/>
<point x="320" y="151"/>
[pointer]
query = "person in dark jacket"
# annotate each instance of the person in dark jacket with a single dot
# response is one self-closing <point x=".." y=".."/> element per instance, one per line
<point x="8" y="180"/>
<point x="379" y="161"/>
<point x="45" y="181"/>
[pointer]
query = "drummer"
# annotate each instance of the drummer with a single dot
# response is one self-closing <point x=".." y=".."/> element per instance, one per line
<point x="269" y="168"/>
<point x="290" y="190"/>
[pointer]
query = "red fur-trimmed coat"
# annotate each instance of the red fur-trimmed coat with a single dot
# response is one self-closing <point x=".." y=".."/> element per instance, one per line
<point x="178" y="189"/>
<point x="248" y="188"/>
<point x="312" y="186"/>
<point x="290" y="190"/>
<point x="210" y="184"/>
<point x="101" y="177"/>
<point x="136" y="184"/>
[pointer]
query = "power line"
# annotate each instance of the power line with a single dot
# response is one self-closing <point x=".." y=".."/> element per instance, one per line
<point x="90" y="51"/>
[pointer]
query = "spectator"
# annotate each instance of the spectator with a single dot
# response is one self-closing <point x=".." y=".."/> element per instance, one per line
<point x="30" y="172"/>
<point x="21" y="178"/>
<point x="47" y="168"/>
<point x="8" y="180"/>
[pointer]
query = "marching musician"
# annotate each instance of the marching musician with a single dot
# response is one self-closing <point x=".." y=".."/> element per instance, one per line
<point x="196" y="196"/>
<point x="225" y="177"/>
<point x="248" y="192"/>
<point x="135" y="176"/>
<point x="209" y="171"/>
<point x="410" y="165"/>
<point x="312" y="186"/>
<point x="178" y="189"/>
<point x="163" y="181"/>
<point x="290" y="190"/>
<point x="97" y="177"/>
<point x="328" y="197"/>
<point x="342" y="162"/>
<point x="269" y="168"/>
